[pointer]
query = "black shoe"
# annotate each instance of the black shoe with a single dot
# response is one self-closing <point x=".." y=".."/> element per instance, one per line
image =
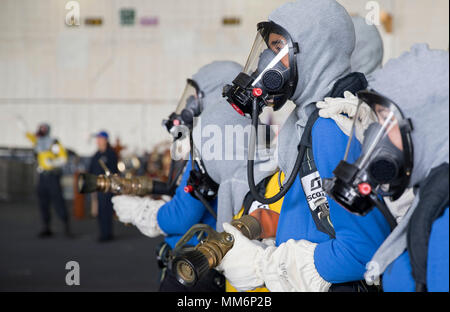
<point x="45" y="234"/>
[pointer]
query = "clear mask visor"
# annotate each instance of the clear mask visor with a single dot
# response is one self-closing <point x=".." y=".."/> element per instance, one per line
<point x="270" y="50"/>
<point x="190" y="99"/>
<point x="376" y="126"/>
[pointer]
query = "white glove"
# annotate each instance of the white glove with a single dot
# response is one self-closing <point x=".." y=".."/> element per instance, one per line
<point x="126" y="207"/>
<point x="269" y="242"/>
<point x="240" y="264"/>
<point x="139" y="211"/>
<point x="334" y="108"/>
<point x="290" y="267"/>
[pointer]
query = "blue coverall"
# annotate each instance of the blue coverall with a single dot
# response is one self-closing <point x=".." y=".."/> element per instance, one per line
<point x="183" y="211"/>
<point x="344" y="258"/>
<point x="398" y="277"/>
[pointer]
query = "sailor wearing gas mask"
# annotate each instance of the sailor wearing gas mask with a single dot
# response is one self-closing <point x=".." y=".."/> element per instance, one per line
<point x="366" y="58"/>
<point x="319" y="245"/>
<point x="403" y="124"/>
<point x="221" y="139"/>
<point x="194" y="200"/>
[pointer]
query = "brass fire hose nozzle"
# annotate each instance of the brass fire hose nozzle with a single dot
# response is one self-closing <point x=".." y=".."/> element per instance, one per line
<point x="139" y="186"/>
<point x="191" y="263"/>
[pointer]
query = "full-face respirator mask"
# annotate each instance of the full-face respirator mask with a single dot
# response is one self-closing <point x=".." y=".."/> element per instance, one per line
<point x="269" y="79"/>
<point x="384" y="166"/>
<point x="189" y="107"/>
<point x="270" y="74"/>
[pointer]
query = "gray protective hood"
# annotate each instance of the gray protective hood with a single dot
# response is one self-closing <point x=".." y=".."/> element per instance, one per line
<point x="369" y="51"/>
<point x="221" y="136"/>
<point x="211" y="79"/>
<point x="214" y="76"/>
<point x="418" y="83"/>
<point x="326" y="37"/>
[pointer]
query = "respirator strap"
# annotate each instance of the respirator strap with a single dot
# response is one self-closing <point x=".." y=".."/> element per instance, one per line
<point x="250" y="164"/>
<point x="210" y="183"/>
<point x="315" y="195"/>
<point x="176" y="170"/>
<point x="309" y="175"/>
<point x="312" y="182"/>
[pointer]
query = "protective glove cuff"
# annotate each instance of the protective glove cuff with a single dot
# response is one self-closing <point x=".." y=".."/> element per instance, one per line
<point x="291" y="268"/>
<point x="264" y="271"/>
<point x="146" y="219"/>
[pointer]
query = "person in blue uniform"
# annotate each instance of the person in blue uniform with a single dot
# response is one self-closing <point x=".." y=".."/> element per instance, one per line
<point x="319" y="245"/>
<point x="106" y="154"/>
<point x="415" y="256"/>
<point x="175" y="217"/>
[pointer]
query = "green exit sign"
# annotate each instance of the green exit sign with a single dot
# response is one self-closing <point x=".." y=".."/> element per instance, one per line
<point x="127" y="16"/>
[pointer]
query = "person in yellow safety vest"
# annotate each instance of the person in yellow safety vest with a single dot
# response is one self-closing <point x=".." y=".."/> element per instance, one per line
<point x="51" y="157"/>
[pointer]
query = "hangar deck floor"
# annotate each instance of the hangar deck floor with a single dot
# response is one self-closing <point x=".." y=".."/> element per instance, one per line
<point x="28" y="263"/>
